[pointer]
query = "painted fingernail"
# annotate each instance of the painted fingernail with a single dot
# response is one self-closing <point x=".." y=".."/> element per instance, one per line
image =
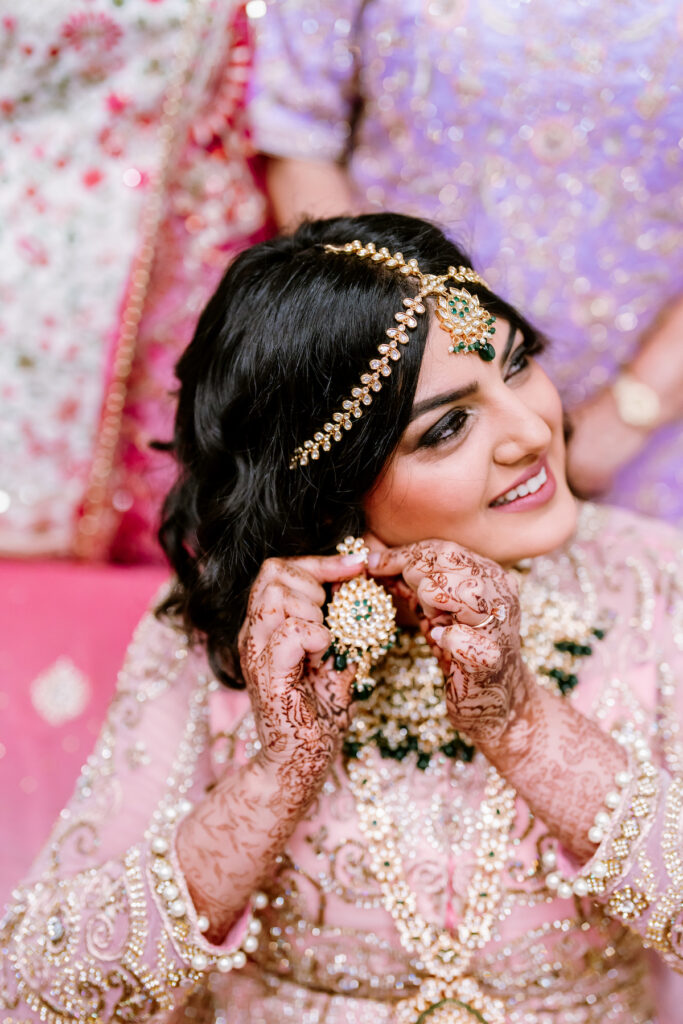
<point x="437" y="633"/>
<point x="353" y="559"/>
<point x="374" y="559"/>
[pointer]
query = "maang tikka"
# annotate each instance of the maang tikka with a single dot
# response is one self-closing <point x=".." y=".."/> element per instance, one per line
<point x="470" y="326"/>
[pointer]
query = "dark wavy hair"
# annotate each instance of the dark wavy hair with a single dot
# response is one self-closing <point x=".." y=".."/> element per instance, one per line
<point x="285" y="337"/>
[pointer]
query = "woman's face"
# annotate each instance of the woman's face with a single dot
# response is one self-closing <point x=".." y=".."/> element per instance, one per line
<point x="482" y="462"/>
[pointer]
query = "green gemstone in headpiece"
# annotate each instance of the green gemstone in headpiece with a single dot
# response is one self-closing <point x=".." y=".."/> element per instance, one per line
<point x="469" y="324"/>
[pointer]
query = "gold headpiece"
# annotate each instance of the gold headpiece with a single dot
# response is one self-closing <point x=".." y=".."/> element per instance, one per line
<point x="459" y="313"/>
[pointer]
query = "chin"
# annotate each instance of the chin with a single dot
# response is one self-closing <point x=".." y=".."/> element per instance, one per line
<point x="539" y="535"/>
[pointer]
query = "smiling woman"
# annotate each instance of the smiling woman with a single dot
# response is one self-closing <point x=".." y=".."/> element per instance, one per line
<point x="485" y="826"/>
<point x="485" y="441"/>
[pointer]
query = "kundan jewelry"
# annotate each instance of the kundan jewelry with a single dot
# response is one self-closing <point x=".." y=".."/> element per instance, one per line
<point x="447" y="994"/>
<point x="408" y="716"/>
<point x="470" y="326"/>
<point x="362" y="619"/>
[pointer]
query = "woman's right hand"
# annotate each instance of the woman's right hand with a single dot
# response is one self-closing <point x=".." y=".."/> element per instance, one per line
<point x="230" y="842"/>
<point x="300" y="703"/>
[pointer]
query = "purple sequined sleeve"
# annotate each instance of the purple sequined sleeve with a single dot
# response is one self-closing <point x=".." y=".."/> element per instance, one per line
<point x="302" y="93"/>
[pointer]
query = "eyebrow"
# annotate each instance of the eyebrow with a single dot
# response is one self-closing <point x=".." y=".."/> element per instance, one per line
<point x="448" y="397"/>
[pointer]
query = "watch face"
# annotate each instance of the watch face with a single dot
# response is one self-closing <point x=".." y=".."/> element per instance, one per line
<point x="637" y="403"/>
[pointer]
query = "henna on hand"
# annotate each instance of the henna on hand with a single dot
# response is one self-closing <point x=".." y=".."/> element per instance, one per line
<point x="453" y="591"/>
<point x="561" y="763"/>
<point x="228" y="845"/>
<point x="558" y="760"/>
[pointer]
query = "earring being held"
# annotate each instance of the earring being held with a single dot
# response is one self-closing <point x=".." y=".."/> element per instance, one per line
<point x="362" y="620"/>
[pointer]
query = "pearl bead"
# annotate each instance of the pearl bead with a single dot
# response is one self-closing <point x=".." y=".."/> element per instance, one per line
<point x="238" y="959"/>
<point x="260" y="900"/>
<point x="549" y="859"/>
<point x="184" y="807"/>
<point x="612" y="800"/>
<point x="255" y="926"/>
<point x="162" y="869"/>
<point x="250" y="944"/>
<point x="580" y="887"/>
<point x="203" y="923"/>
<point x="199" y="962"/>
<point x="642" y="754"/>
<point x="553" y="880"/>
<point x="159" y="845"/>
<point x="224" y="964"/>
<point x="171" y="891"/>
<point x="595" y="834"/>
<point x="602" y="819"/>
<point x="599" y="869"/>
<point x="177" y="908"/>
<point x="564" y="890"/>
<point x="54" y="928"/>
<point x="622" y="779"/>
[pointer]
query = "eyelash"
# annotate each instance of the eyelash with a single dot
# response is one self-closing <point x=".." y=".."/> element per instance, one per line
<point x="455" y="420"/>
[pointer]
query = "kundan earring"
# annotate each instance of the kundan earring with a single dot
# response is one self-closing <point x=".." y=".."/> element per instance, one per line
<point x="362" y="619"/>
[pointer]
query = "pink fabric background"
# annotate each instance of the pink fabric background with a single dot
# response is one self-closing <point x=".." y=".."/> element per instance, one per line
<point x="50" y="610"/>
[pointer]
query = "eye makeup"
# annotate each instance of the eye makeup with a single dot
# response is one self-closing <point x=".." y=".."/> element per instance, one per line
<point x="453" y="423"/>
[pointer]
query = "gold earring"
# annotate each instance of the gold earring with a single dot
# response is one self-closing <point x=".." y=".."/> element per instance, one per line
<point x="362" y="620"/>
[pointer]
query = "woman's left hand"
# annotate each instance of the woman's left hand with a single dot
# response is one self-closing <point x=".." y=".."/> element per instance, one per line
<point x="468" y="609"/>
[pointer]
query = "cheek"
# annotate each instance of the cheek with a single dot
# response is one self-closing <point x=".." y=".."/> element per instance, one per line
<point x="548" y="401"/>
<point x="391" y="501"/>
<point x="408" y="505"/>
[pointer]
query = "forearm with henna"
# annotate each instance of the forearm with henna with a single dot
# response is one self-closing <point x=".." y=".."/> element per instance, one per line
<point x="227" y="847"/>
<point x="560" y="762"/>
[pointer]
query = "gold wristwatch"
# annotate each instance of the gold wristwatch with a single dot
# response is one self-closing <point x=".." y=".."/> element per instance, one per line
<point x="638" y="404"/>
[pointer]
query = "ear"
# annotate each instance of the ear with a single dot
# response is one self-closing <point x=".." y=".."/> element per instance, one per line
<point x="373" y="542"/>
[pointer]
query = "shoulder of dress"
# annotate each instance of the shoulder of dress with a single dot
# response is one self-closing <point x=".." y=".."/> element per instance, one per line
<point x="160" y="654"/>
<point x="612" y="527"/>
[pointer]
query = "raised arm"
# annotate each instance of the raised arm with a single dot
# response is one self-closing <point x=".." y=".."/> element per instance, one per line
<point x="229" y="843"/>
<point x="561" y="763"/>
<point x="612" y="428"/>
<point x="303" y="98"/>
<point x="307" y="188"/>
<point x="616" y="807"/>
<point x="146" y="880"/>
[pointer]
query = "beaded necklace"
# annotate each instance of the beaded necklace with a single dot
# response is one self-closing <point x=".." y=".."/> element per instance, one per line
<point x="404" y="714"/>
<point x="448" y="993"/>
<point x="410" y="718"/>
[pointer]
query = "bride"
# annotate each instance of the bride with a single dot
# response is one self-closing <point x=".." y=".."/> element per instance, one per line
<point x="401" y="742"/>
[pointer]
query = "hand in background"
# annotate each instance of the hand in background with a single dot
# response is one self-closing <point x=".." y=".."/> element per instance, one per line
<point x="602" y="443"/>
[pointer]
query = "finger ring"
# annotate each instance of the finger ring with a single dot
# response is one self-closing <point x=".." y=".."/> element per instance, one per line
<point x="497" y="615"/>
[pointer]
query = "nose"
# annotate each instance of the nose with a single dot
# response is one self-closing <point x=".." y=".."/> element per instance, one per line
<point x="522" y="433"/>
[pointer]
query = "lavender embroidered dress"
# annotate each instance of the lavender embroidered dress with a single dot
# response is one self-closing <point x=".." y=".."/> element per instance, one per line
<point x="546" y="138"/>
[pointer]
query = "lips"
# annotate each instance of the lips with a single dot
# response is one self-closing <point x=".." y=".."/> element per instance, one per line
<point x="537" y="480"/>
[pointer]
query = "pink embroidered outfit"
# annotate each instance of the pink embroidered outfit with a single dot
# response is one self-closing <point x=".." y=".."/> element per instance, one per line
<point x="103" y="925"/>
